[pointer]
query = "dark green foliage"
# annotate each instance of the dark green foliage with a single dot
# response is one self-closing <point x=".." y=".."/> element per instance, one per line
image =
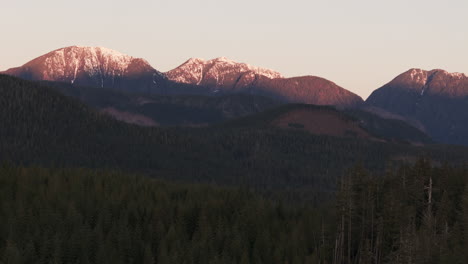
<point x="390" y="129"/>
<point x="296" y="125"/>
<point x="181" y="110"/>
<point x="265" y="118"/>
<point x="386" y="129"/>
<point x="413" y="214"/>
<point x="84" y="216"/>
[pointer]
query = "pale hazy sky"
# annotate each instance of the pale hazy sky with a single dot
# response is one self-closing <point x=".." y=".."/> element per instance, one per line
<point x="359" y="44"/>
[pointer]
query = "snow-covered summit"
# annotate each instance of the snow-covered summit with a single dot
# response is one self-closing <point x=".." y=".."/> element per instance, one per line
<point x="433" y="82"/>
<point x="217" y="72"/>
<point x="422" y="76"/>
<point x="66" y="64"/>
<point x="95" y="66"/>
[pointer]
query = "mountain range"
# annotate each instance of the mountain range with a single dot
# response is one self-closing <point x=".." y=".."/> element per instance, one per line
<point x="226" y="76"/>
<point x="435" y="102"/>
<point x="105" y="68"/>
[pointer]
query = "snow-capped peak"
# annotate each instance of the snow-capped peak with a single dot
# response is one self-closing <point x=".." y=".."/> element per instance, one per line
<point x="67" y="63"/>
<point x="102" y="50"/>
<point x="218" y="72"/>
<point x="433" y="80"/>
<point x="195" y="60"/>
<point x="222" y="59"/>
<point x="96" y="66"/>
<point x="90" y="58"/>
<point x="421" y="76"/>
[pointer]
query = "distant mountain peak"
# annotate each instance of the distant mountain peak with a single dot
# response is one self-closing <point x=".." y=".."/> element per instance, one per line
<point x="223" y="59"/>
<point x="420" y="75"/>
<point x="436" y="98"/>
<point x="434" y="81"/>
<point x="222" y="75"/>
<point x="91" y="66"/>
<point x="194" y="60"/>
<point x="74" y="51"/>
<point x="216" y="72"/>
<point x="92" y="60"/>
<point x="103" y="50"/>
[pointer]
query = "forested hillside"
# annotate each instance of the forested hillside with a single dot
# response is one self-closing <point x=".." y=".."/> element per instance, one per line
<point x="163" y="110"/>
<point x="410" y="214"/>
<point x="42" y="127"/>
<point x="376" y="128"/>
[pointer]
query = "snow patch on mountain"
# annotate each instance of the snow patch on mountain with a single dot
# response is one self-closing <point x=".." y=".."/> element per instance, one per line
<point x="419" y="75"/>
<point x="457" y="75"/>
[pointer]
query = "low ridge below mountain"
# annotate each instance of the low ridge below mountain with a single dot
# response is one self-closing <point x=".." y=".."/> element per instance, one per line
<point x="306" y="90"/>
<point x="340" y="123"/>
<point x="166" y="110"/>
<point x="437" y="99"/>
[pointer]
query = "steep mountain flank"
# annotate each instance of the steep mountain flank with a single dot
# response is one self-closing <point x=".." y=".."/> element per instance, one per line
<point x="437" y="99"/>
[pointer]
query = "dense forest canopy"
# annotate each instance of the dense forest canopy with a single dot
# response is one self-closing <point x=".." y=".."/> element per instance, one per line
<point x="166" y="110"/>
<point x="412" y="214"/>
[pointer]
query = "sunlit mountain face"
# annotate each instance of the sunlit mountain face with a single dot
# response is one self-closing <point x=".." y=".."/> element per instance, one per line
<point x="90" y="66"/>
<point x="226" y="76"/>
<point x="105" y="68"/>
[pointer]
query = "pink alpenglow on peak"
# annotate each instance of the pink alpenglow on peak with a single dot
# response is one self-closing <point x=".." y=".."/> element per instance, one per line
<point x="89" y="66"/>
<point x="100" y="67"/>
<point x="226" y="76"/>
<point x="219" y="72"/>
<point x="435" y="81"/>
